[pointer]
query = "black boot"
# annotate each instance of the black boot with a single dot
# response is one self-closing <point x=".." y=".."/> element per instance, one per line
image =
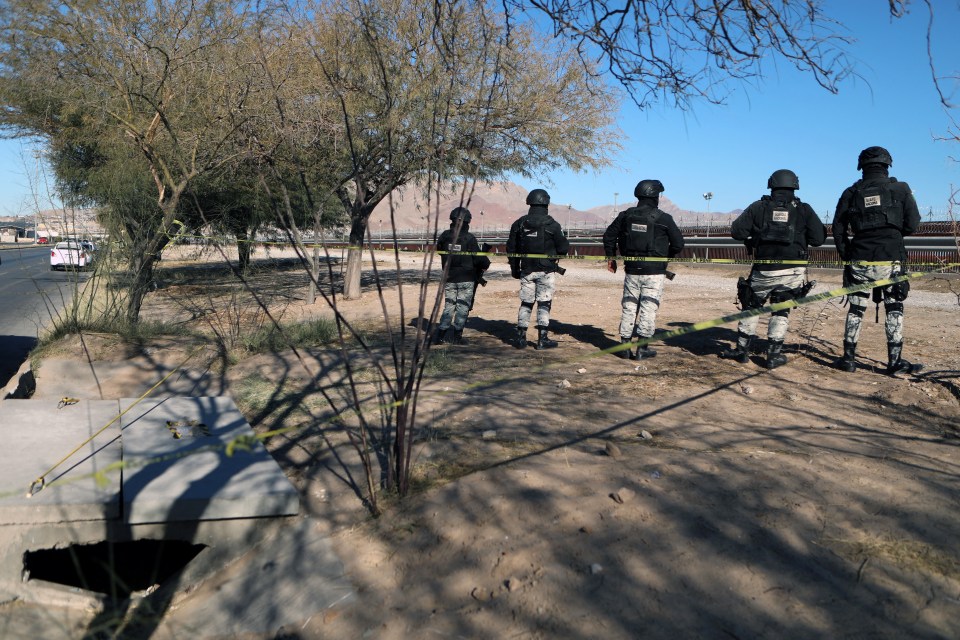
<point x="625" y="353"/>
<point x="644" y="352"/>
<point x="440" y="337"/>
<point x="896" y="364"/>
<point x="543" y="342"/>
<point x="774" y="357"/>
<point x="458" y="337"/>
<point x="520" y="341"/>
<point x="848" y="362"/>
<point x="740" y="352"/>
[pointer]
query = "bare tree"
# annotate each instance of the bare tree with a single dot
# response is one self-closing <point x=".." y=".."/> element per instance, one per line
<point x="684" y="51"/>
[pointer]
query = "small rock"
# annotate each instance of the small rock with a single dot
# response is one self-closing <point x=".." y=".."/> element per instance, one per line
<point x="622" y="495"/>
<point x="563" y="384"/>
<point x="655" y="475"/>
<point x="480" y="594"/>
<point x="596" y="568"/>
<point x="584" y="529"/>
<point x="613" y="450"/>
<point x="646" y="435"/>
<point x="747" y="389"/>
<point x="489" y="435"/>
<point x="512" y="584"/>
<point x="581" y="370"/>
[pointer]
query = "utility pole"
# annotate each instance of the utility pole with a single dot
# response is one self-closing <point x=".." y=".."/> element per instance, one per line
<point x="615" y="194"/>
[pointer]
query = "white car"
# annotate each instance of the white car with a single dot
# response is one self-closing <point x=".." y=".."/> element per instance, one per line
<point x="69" y="255"/>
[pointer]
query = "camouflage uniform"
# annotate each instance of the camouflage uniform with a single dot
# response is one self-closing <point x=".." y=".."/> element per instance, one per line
<point x="458" y="299"/>
<point x="763" y="283"/>
<point x="643" y="292"/>
<point x="535" y="287"/>
<point x="893" y="322"/>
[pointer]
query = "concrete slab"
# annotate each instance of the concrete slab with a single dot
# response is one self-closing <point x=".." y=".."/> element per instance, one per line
<point x="176" y="465"/>
<point x="282" y="583"/>
<point x="36" y="434"/>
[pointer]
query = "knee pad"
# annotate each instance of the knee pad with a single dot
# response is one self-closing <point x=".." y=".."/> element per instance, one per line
<point x="528" y="305"/>
<point x="893" y="307"/>
<point x="783" y="313"/>
<point x="649" y="299"/>
<point x="546" y="304"/>
<point x="856" y="310"/>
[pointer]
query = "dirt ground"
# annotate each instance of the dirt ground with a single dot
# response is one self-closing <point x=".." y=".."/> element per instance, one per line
<point x="571" y="494"/>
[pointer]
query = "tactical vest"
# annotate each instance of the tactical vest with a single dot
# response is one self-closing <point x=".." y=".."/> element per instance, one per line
<point x="535" y="239"/>
<point x="638" y="235"/>
<point x="875" y="207"/>
<point x="779" y="220"/>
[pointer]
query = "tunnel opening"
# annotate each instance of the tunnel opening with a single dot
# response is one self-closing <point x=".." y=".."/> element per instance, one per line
<point x="114" y="569"/>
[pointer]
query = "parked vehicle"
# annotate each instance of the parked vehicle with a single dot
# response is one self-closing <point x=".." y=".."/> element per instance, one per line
<point x="69" y="255"/>
<point x="43" y="240"/>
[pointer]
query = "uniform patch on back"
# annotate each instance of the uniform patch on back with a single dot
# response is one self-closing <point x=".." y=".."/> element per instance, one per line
<point x="639" y="228"/>
<point x="871" y="201"/>
<point x="780" y="215"/>
<point x="532" y="234"/>
<point x="455" y="247"/>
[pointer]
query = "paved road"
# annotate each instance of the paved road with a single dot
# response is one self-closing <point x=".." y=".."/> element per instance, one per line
<point x="30" y="294"/>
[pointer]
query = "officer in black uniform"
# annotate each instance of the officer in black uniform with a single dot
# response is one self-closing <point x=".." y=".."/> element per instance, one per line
<point x="463" y="272"/>
<point x="643" y="231"/>
<point x="777" y="229"/>
<point x="873" y="215"/>
<point x="536" y="233"/>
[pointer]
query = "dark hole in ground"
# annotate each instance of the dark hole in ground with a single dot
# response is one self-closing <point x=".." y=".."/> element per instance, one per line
<point x="115" y="569"/>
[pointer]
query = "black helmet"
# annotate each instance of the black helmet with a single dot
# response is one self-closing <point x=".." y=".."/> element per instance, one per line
<point x="461" y="212"/>
<point x="872" y="155"/>
<point x="783" y="179"/>
<point x="538" y="197"/>
<point x="648" y="189"/>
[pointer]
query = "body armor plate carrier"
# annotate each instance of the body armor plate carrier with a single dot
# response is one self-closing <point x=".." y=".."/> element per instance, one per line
<point x="779" y="223"/>
<point x="637" y="234"/>
<point x="874" y="207"/>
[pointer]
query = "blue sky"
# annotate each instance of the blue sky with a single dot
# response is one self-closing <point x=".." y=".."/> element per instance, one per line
<point x="784" y="121"/>
<point x="789" y="121"/>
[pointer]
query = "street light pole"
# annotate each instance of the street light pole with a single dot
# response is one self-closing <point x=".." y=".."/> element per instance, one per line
<point x="708" y="196"/>
<point x="569" y="207"/>
<point x="615" y="194"/>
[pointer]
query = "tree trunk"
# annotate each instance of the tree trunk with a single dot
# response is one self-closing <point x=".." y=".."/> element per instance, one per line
<point x="141" y="284"/>
<point x="351" y="280"/>
<point x="244" y="250"/>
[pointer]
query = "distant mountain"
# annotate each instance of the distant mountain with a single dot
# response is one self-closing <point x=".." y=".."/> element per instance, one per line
<point x="499" y="204"/>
